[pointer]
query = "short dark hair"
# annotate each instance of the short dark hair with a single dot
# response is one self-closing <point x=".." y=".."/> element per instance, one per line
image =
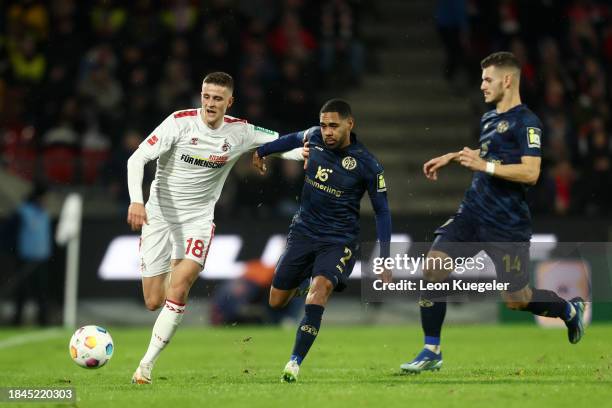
<point x="221" y="79"/>
<point x="501" y="59"/>
<point x="337" y="105"/>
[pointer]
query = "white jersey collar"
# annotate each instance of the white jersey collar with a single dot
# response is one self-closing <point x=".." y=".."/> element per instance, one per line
<point x="208" y="128"/>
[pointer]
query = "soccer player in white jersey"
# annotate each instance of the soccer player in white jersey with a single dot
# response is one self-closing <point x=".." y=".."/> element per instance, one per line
<point x="195" y="151"/>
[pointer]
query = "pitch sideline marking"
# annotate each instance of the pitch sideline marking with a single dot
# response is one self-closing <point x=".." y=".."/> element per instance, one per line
<point x="33" y="337"/>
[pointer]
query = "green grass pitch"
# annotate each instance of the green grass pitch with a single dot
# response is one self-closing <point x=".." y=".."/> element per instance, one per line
<point x="484" y="366"/>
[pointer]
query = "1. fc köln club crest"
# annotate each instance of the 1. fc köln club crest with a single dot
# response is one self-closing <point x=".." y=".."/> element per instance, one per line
<point x="226" y="146"/>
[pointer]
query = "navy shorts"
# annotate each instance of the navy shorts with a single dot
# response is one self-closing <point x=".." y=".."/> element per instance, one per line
<point x="304" y="257"/>
<point x="463" y="235"/>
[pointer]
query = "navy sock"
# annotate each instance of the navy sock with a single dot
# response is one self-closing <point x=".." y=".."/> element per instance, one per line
<point x="548" y="303"/>
<point x="432" y="316"/>
<point x="307" y="332"/>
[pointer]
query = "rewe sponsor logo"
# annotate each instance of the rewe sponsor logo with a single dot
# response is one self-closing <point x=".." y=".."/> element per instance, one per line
<point x="212" y="162"/>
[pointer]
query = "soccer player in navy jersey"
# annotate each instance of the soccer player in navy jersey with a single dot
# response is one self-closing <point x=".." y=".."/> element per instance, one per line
<point x="322" y="241"/>
<point x="494" y="212"/>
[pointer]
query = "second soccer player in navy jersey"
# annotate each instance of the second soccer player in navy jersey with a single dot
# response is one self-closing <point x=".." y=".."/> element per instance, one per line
<point x="494" y="212"/>
<point x="322" y="241"/>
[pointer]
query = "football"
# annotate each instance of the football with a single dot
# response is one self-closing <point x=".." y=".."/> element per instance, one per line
<point x="91" y="346"/>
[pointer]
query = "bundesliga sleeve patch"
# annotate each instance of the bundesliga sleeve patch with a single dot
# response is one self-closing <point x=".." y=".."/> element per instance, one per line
<point x="380" y="184"/>
<point x="533" y="137"/>
<point x="152" y="140"/>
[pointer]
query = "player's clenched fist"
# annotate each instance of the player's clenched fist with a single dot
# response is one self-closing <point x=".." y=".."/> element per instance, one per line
<point x="137" y="215"/>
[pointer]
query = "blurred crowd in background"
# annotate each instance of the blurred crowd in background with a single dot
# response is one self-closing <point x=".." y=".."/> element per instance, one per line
<point x="565" y="48"/>
<point x="82" y="83"/>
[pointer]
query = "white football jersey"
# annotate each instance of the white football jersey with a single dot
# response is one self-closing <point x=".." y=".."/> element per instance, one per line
<point x="194" y="160"/>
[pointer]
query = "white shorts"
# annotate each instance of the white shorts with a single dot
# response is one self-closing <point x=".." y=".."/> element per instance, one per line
<point x="162" y="241"/>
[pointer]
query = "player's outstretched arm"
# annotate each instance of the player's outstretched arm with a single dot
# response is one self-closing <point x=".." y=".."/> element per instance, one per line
<point x="157" y="143"/>
<point x="284" y="143"/>
<point x="289" y="145"/>
<point x="137" y="214"/>
<point x="383" y="229"/>
<point x="430" y="169"/>
<point x="377" y="190"/>
<point x="296" y="154"/>
<point x="526" y="172"/>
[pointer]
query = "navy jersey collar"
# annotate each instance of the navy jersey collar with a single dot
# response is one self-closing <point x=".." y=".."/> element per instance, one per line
<point x="511" y="110"/>
<point x="352" y="145"/>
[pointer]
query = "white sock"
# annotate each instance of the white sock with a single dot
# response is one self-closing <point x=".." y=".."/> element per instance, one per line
<point x="433" y="347"/>
<point x="163" y="330"/>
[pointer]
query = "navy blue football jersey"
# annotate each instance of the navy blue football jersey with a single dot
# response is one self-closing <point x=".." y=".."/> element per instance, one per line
<point x="334" y="183"/>
<point x="504" y="139"/>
